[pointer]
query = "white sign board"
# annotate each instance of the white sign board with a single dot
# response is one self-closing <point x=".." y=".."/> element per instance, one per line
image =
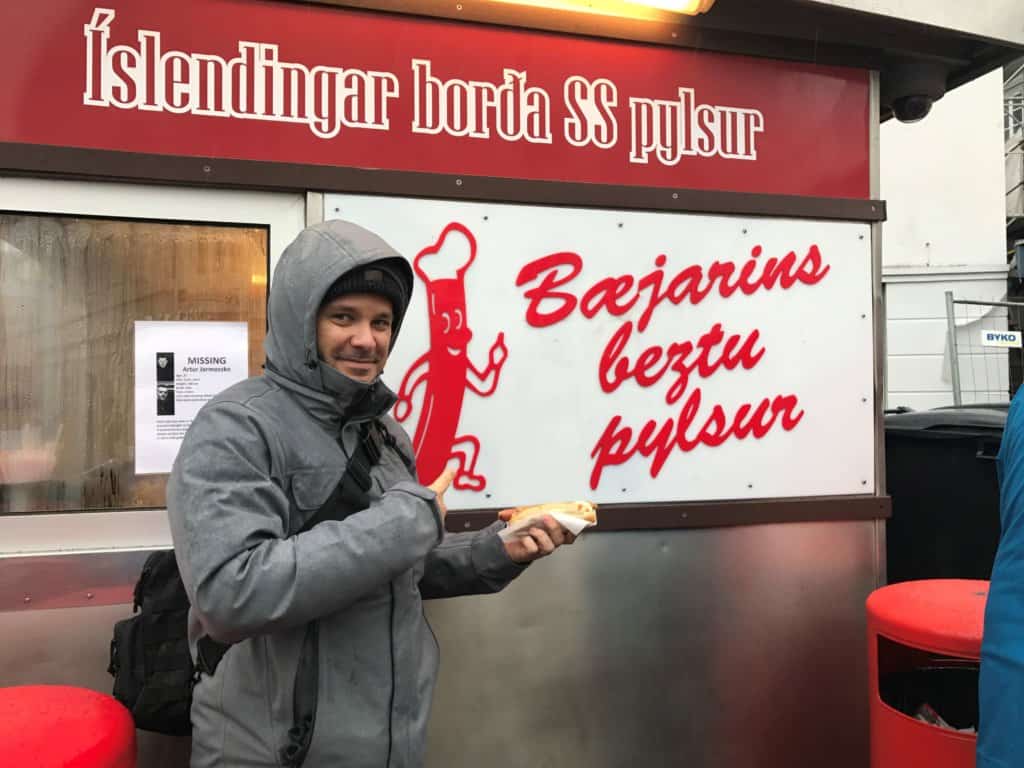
<point x="179" y="367"/>
<point x="630" y="356"/>
<point x="996" y="338"/>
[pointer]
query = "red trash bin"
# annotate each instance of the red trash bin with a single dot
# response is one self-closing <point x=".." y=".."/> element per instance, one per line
<point x="57" y="726"/>
<point x="921" y="631"/>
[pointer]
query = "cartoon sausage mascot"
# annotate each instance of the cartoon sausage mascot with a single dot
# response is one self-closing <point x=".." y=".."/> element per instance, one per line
<point x="445" y="368"/>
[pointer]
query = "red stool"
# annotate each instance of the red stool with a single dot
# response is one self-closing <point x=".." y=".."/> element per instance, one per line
<point x="926" y="627"/>
<point x="51" y="726"/>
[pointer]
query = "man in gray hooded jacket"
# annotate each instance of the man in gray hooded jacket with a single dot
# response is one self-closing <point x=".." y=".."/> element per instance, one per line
<point x="257" y="464"/>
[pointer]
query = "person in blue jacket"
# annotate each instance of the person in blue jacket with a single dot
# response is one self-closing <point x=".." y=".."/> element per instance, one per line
<point x="1001" y="684"/>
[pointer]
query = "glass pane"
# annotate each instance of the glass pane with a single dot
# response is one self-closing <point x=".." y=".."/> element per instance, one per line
<point x="70" y="292"/>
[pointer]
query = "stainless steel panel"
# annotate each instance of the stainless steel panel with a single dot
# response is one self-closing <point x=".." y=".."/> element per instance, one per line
<point x="881" y="564"/>
<point x="878" y="323"/>
<point x="68" y="581"/>
<point x="71" y="647"/>
<point x="727" y="648"/>
<point x="710" y="648"/>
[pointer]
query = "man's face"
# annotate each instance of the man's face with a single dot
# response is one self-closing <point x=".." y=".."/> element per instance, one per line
<point x="353" y="334"/>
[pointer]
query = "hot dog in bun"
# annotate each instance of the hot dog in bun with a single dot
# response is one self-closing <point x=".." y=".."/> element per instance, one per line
<point x="584" y="510"/>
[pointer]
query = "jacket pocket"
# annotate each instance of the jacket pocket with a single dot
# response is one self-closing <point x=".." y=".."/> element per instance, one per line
<point x="311" y="488"/>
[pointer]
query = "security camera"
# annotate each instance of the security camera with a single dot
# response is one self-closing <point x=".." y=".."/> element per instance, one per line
<point x="910" y="109"/>
<point x="910" y="87"/>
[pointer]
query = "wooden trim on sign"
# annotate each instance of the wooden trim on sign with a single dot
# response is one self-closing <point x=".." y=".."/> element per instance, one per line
<point x="718" y="514"/>
<point x="109" y="165"/>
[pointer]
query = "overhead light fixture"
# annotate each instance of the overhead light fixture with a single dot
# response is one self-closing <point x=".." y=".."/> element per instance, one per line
<point x="689" y="7"/>
<point x="637" y="9"/>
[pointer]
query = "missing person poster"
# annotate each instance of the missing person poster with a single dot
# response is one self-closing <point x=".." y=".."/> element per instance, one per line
<point x="179" y="367"/>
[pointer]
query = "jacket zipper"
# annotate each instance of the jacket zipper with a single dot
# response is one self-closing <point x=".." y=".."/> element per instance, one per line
<point x="391" y="647"/>
<point x="433" y="634"/>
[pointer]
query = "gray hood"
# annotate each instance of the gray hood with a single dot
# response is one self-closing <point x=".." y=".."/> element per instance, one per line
<point x="317" y="257"/>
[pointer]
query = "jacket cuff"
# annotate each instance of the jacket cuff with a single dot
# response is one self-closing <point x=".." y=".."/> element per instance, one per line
<point x="424" y="494"/>
<point x="491" y="560"/>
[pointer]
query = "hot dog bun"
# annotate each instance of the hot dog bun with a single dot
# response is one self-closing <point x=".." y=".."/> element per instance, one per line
<point x="582" y="509"/>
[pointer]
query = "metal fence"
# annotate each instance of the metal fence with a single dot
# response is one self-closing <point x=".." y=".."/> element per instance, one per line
<point x="985" y="351"/>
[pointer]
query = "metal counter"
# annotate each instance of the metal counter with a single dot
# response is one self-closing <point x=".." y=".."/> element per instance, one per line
<point x="711" y="648"/>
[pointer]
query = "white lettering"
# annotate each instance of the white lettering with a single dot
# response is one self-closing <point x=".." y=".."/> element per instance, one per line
<point x="590" y="104"/>
<point x="671" y="130"/>
<point x="255" y="85"/>
<point x="512" y="109"/>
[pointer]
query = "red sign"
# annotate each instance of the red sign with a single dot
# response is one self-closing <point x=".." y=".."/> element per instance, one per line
<point x="271" y="81"/>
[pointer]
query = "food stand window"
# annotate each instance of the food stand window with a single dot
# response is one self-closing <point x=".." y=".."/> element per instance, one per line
<point x="71" y="290"/>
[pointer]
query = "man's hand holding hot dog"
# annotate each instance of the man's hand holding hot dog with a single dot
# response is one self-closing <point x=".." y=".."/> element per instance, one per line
<point x="540" y="540"/>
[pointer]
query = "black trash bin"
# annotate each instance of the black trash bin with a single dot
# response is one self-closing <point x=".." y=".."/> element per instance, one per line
<point x="917" y="683"/>
<point x="941" y="474"/>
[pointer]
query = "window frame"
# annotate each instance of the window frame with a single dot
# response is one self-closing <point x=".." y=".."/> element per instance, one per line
<point x="284" y="216"/>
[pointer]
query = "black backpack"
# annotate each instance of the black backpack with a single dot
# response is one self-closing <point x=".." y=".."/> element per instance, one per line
<point x="149" y="654"/>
